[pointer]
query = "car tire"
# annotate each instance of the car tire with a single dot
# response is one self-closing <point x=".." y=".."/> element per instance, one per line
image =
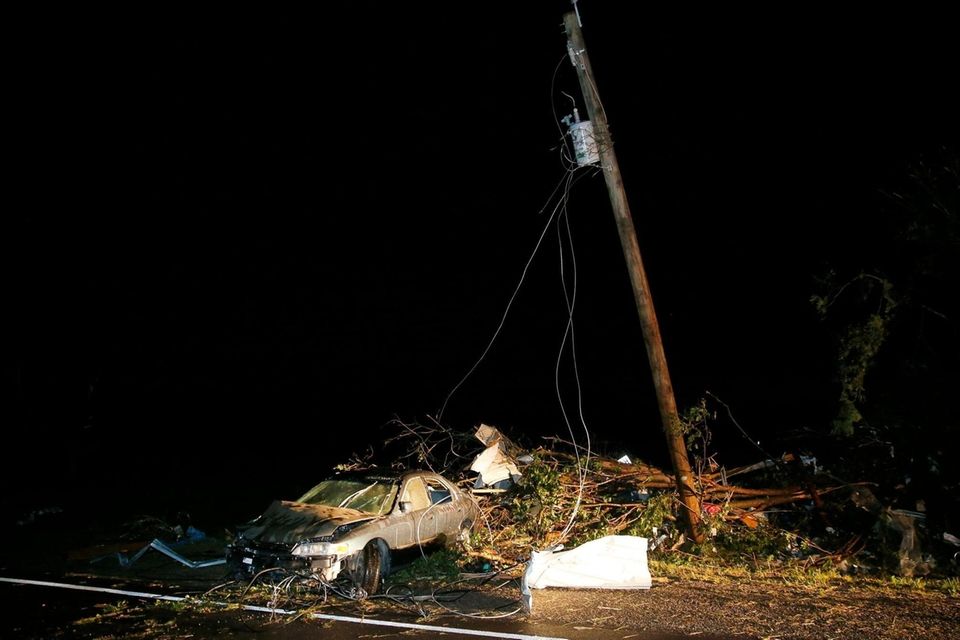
<point x="372" y="566"/>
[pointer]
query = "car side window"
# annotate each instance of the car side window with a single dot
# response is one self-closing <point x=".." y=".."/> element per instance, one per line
<point x="415" y="493"/>
<point x="437" y="492"/>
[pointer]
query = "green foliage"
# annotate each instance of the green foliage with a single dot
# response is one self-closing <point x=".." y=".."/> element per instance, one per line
<point x="108" y="611"/>
<point x="443" y="564"/>
<point x="657" y="516"/>
<point x="116" y="607"/>
<point x="534" y="498"/>
<point x="696" y="433"/>
<point x="744" y="542"/>
<point x="860" y="340"/>
<point x="194" y="604"/>
<point x="589" y="524"/>
<point x="892" y="304"/>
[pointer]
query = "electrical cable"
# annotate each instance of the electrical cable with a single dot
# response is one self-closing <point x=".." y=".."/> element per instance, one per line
<point x="477" y="589"/>
<point x="571" y="163"/>
<point x="219" y="586"/>
<point x="569" y="337"/>
<point x="408" y="601"/>
<point x="257" y="577"/>
<point x="408" y="626"/>
<point x="755" y="443"/>
<point x="424" y="515"/>
<point x="506" y="311"/>
<point x="596" y="96"/>
<point x="570" y="299"/>
<point x="569" y="169"/>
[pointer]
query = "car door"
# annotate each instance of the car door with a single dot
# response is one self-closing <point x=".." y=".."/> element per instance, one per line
<point x="419" y="518"/>
<point x="445" y="505"/>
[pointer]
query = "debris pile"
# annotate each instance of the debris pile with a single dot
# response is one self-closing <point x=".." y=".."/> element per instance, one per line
<point x="535" y="499"/>
<point x="615" y="498"/>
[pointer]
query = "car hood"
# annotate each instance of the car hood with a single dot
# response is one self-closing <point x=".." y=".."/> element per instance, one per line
<point x="290" y="522"/>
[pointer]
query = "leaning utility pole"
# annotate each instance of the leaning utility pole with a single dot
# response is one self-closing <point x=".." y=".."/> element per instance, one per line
<point x="669" y="418"/>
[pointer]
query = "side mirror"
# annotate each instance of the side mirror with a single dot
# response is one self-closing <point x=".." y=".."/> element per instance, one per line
<point x="405" y="506"/>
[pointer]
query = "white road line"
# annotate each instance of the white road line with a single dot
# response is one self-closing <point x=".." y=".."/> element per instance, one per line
<point x="321" y="616"/>
<point x="430" y="627"/>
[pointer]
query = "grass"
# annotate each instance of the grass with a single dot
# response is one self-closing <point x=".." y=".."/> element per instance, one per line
<point x="798" y="576"/>
<point x="107" y="611"/>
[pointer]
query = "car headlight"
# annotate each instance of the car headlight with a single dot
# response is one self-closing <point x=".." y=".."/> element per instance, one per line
<point x="321" y="549"/>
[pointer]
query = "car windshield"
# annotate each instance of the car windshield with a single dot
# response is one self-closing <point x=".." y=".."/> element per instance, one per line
<point x="370" y="495"/>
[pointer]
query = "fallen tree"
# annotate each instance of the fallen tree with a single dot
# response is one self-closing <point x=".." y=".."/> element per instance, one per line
<point x="565" y="496"/>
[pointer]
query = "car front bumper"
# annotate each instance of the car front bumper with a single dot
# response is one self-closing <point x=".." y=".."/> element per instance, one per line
<point x="248" y="560"/>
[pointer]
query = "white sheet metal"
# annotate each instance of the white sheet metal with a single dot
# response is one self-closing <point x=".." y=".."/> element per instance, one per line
<point x="493" y="464"/>
<point x="611" y="562"/>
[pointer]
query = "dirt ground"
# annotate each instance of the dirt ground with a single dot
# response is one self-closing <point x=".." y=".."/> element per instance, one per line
<point x="692" y="603"/>
<point x="673" y="608"/>
<point x="757" y="608"/>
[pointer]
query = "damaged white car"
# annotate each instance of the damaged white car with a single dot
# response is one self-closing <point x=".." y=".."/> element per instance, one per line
<point x="353" y="524"/>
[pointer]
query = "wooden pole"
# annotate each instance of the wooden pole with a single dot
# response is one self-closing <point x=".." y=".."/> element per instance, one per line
<point x="669" y="418"/>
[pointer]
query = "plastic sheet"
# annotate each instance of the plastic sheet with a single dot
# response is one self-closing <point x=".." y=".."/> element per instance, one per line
<point x="611" y="562"/>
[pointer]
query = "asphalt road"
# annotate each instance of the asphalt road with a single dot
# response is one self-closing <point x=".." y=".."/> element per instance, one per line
<point x="32" y="611"/>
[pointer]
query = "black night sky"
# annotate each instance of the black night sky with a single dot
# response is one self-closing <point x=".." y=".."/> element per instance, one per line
<point x="247" y="240"/>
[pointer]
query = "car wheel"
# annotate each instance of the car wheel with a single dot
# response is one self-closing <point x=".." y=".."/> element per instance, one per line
<point x="373" y="565"/>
